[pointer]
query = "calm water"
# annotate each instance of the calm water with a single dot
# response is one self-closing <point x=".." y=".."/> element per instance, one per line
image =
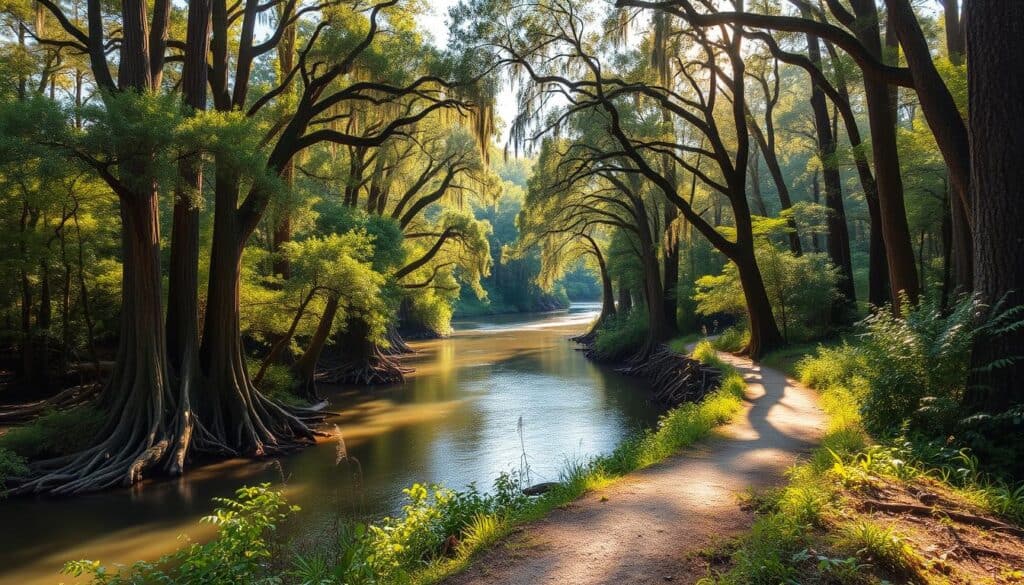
<point x="455" y="421"/>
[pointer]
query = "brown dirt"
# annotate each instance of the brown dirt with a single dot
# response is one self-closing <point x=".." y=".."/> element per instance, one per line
<point x="954" y="540"/>
<point x="656" y="525"/>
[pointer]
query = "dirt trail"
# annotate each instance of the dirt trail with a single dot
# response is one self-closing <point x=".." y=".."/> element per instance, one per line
<point x="651" y="526"/>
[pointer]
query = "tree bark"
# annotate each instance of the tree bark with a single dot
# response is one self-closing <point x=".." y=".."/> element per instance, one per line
<point x="995" y="48"/>
<point x="892" y="209"/>
<point x="838" y="232"/>
<point x="183" y="286"/>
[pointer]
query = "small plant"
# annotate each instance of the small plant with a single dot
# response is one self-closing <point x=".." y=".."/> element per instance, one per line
<point x="11" y="465"/>
<point x="242" y="552"/>
<point x="878" y="545"/>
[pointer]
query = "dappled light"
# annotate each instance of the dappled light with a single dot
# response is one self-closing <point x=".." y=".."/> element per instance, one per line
<point x="375" y="292"/>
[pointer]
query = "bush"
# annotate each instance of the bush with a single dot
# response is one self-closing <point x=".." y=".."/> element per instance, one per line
<point x="242" y="552"/>
<point x="801" y="289"/>
<point x="918" y="360"/>
<point x="11" y="465"/>
<point x="278" y="383"/>
<point x="622" y="335"/>
<point x="55" y="433"/>
<point x="733" y="339"/>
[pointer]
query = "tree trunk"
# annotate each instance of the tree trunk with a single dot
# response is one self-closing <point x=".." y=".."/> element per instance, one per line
<point x="995" y="48"/>
<point x="764" y="331"/>
<point x="625" y="303"/>
<point x="670" y="268"/>
<point x="283" y="227"/>
<point x="658" y="329"/>
<point x="232" y="409"/>
<point x="183" y="286"/>
<point x="146" y="426"/>
<point x="305" y="367"/>
<point x="892" y="209"/>
<point x="838" y="232"/>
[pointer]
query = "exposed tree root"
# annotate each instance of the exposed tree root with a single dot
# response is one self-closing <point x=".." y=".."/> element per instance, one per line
<point x="68" y="398"/>
<point x="149" y="431"/>
<point x="935" y="512"/>
<point x="587" y="338"/>
<point x="371" y="367"/>
<point x="675" y="378"/>
<point x="396" y="343"/>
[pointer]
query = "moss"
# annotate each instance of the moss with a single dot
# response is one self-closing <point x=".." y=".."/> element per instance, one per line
<point x="55" y="433"/>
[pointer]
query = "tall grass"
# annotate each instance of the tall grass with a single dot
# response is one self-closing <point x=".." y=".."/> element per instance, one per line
<point x="804" y="534"/>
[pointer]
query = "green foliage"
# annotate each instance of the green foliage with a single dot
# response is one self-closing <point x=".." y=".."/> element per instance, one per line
<point x="438" y="530"/>
<point x="242" y="552"/>
<point x="621" y="335"/>
<point x="916" y="366"/>
<point x="879" y="545"/>
<point x="278" y="383"/>
<point x="11" y="465"/>
<point x="801" y="290"/>
<point x="55" y="433"/>
<point x="733" y="339"/>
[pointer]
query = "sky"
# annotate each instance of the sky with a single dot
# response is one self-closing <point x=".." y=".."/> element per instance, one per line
<point x="435" y="22"/>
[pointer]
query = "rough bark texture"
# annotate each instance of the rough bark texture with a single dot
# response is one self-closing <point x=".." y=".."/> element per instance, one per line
<point x="882" y="119"/>
<point x="838" y="232"/>
<point x="995" y="48"/>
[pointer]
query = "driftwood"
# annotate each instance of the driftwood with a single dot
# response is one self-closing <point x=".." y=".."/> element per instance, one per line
<point x="69" y="398"/>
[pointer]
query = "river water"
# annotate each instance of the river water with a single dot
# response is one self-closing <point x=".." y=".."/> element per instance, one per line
<point x="500" y="394"/>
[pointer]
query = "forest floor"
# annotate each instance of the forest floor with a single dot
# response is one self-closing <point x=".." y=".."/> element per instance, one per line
<point x="660" y="524"/>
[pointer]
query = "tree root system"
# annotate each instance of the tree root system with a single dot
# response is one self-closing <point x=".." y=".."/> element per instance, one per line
<point x="675" y="378"/>
<point x="373" y="367"/>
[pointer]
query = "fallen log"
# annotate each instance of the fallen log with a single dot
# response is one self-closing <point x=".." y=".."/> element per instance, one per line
<point x="65" y="399"/>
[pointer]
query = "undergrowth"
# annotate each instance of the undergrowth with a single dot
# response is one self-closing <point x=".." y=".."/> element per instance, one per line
<point x="438" y="530"/>
<point x="621" y="335"/>
<point x="805" y="531"/>
<point x="11" y="465"/>
<point x="55" y="433"/>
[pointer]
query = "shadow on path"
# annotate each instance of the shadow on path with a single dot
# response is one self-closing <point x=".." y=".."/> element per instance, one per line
<point x="651" y="526"/>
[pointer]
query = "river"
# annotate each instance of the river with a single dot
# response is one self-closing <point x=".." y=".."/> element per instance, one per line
<point x="455" y="421"/>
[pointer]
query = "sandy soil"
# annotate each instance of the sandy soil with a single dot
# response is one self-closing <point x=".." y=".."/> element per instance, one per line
<point x="653" y="526"/>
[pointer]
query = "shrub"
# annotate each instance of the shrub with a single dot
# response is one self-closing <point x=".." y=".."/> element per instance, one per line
<point x="242" y="552"/>
<point x="733" y="339"/>
<point x="801" y="289"/>
<point x="58" y="432"/>
<point x="11" y="465"/>
<point x="621" y="335"/>
<point x="278" y="383"/>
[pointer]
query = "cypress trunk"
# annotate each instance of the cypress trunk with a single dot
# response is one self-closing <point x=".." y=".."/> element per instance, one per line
<point x="995" y="49"/>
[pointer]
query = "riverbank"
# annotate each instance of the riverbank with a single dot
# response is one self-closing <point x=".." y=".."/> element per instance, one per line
<point x="653" y="525"/>
<point x="865" y="512"/>
<point x="455" y="421"/>
<point x="439" y="530"/>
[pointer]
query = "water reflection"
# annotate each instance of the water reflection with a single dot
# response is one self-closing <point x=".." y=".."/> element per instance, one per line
<point x="454" y="422"/>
